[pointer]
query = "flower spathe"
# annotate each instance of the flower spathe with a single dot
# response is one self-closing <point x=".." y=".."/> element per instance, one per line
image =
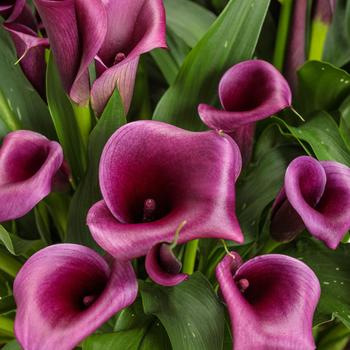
<point x="316" y="195"/>
<point x="271" y="300"/>
<point x="65" y="292"/>
<point x="249" y="91"/>
<point x="28" y="165"/>
<point x="154" y="176"/>
<point x="113" y="33"/>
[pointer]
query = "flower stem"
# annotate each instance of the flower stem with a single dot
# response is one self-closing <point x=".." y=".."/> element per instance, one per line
<point x="84" y="122"/>
<point x="190" y="257"/>
<point x="6" y="326"/>
<point x="9" y="264"/>
<point x="282" y="33"/>
<point x="319" y="32"/>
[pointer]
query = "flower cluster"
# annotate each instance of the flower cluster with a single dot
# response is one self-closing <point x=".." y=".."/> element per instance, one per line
<point x="161" y="186"/>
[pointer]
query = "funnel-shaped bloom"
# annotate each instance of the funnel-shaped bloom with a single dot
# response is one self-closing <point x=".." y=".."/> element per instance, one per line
<point x="28" y="164"/>
<point x="153" y="177"/>
<point x="271" y="300"/>
<point x="31" y="53"/>
<point x="316" y="195"/>
<point x="249" y="91"/>
<point x="65" y="292"/>
<point x="163" y="267"/>
<point x="114" y="32"/>
<point x="11" y="9"/>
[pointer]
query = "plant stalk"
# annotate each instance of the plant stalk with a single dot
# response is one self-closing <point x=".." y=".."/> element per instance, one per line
<point x="190" y="257"/>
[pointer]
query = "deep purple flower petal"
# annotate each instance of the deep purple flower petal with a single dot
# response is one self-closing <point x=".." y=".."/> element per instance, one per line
<point x="249" y="91"/>
<point x="76" y="30"/>
<point x="31" y="51"/>
<point x="320" y="193"/>
<point x="65" y="292"/>
<point x="163" y="270"/>
<point x="189" y="176"/>
<point x="12" y="9"/>
<point x="271" y="300"/>
<point x="134" y="27"/>
<point x="28" y="164"/>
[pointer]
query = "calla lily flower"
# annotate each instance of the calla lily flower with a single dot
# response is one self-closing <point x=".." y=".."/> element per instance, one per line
<point x="65" y="292"/>
<point x="11" y="9"/>
<point x="249" y="91"/>
<point x="113" y="32"/>
<point x="153" y="177"/>
<point x="271" y="300"/>
<point x="31" y="53"/>
<point x="316" y="195"/>
<point x="28" y="165"/>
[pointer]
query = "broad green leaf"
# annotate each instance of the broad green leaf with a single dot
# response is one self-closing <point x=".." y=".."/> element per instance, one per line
<point x="321" y="86"/>
<point x="322" y="134"/>
<point x="18" y="94"/>
<point x="88" y="191"/>
<point x="12" y="345"/>
<point x="344" y="124"/>
<point x="64" y="120"/>
<point x="190" y="312"/>
<point x="337" y="46"/>
<point x="264" y="178"/>
<point x="42" y="221"/>
<point x="18" y="246"/>
<point x="7" y="304"/>
<point x="188" y="20"/>
<point x="332" y="268"/>
<point x="232" y="38"/>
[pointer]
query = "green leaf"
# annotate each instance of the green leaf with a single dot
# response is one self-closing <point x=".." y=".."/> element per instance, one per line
<point x="188" y="20"/>
<point x="262" y="181"/>
<point x="322" y="86"/>
<point x="7" y="304"/>
<point x="63" y="117"/>
<point x="231" y="39"/>
<point x="30" y="111"/>
<point x="322" y="134"/>
<point x="88" y="191"/>
<point x="18" y="246"/>
<point x="12" y="345"/>
<point x="333" y="270"/>
<point x="337" y="46"/>
<point x="344" y="125"/>
<point x="190" y="312"/>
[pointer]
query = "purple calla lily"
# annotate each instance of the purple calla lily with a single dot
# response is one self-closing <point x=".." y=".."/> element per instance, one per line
<point x="30" y="50"/>
<point x="316" y="195"/>
<point x="271" y="300"/>
<point x="113" y="32"/>
<point x="65" y="292"/>
<point x="249" y="91"/>
<point x="154" y="176"/>
<point x="11" y="9"/>
<point x="28" y="165"/>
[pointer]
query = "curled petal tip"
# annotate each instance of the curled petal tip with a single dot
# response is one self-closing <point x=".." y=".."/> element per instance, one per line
<point x="28" y="164"/>
<point x="271" y="300"/>
<point x="318" y="194"/>
<point x="249" y="91"/>
<point x="140" y="163"/>
<point x="65" y="292"/>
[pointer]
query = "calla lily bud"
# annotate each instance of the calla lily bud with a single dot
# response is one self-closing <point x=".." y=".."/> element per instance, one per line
<point x="271" y="300"/>
<point x="316" y="195"/>
<point x="28" y="165"/>
<point x="154" y="176"/>
<point x="65" y="292"/>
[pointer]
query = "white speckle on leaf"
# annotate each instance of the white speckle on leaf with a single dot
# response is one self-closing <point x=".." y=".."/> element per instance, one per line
<point x="193" y="334"/>
<point x="19" y="113"/>
<point x="342" y="80"/>
<point x="323" y="68"/>
<point x="225" y="44"/>
<point x="326" y="283"/>
<point x="132" y="315"/>
<point x="337" y="268"/>
<point x="244" y="205"/>
<point x="252" y="223"/>
<point x="327" y="130"/>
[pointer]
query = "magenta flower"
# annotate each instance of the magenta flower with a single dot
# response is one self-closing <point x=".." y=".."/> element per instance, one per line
<point x="316" y="195"/>
<point x="153" y="177"/>
<point x="12" y="9"/>
<point x="30" y="50"/>
<point x="65" y="292"/>
<point x="28" y="165"/>
<point x="114" y="32"/>
<point x="249" y="91"/>
<point x="271" y="300"/>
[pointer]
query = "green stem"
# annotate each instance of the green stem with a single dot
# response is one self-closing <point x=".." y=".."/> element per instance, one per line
<point x="190" y="257"/>
<point x="84" y="122"/>
<point x="7" y="115"/>
<point x="9" y="264"/>
<point x="319" y="32"/>
<point x="282" y="33"/>
<point x="6" y="326"/>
